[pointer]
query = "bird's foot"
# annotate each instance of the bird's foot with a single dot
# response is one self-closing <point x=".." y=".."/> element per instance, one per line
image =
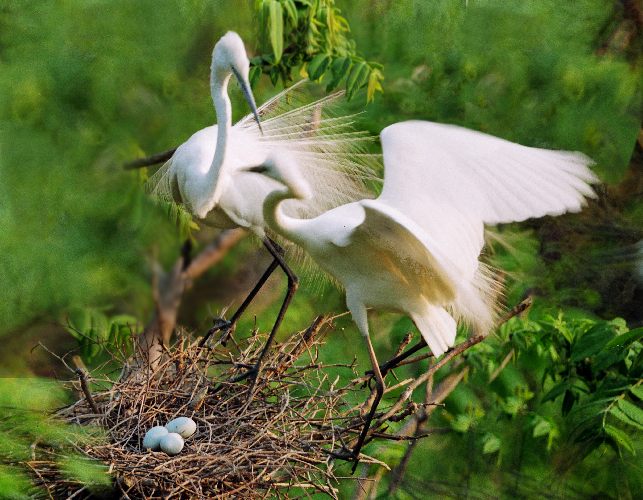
<point x="347" y="455"/>
<point x="220" y="324"/>
<point x="384" y="369"/>
<point x="252" y="373"/>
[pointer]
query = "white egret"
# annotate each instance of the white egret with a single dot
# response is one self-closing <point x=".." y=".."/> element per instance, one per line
<point x="206" y="174"/>
<point x="415" y="248"/>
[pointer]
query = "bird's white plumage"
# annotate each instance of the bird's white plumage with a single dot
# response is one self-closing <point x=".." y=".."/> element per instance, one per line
<point x="415" y="248"/>
<point x="331" y="155"/>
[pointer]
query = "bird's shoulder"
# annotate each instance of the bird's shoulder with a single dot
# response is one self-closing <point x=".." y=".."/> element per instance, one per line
<point x="197" y="150"/>
<point x="336" y="225"/>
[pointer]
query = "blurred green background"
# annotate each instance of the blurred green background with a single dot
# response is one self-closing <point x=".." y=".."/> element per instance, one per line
<point x="86" y="86"/>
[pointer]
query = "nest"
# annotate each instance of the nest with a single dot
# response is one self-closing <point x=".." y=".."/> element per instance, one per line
<point x="279" y="441"/>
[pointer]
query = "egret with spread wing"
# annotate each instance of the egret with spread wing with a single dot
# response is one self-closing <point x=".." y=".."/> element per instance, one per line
<point x="206" y="173"/>
<point x="415" y="248"/>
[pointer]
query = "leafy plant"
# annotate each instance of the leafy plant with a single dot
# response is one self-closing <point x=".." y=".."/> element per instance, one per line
<point x="562" y="379"/>
<point x="311" y="35"/>
<point x="29" y="433"/>
<point x="98" y="334"/>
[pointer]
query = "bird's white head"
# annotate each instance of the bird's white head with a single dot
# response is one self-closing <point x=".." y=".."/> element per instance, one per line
<point x="229" y="57"/>
<point x="283" y="169"/>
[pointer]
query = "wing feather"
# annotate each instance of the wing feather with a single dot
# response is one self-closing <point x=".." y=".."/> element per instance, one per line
<point x="495" y="179"/>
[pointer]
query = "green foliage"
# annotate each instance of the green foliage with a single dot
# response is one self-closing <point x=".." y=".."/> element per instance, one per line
<point x="311" y="35"/>
<point x="28" y="432"/>
<point x="86" y="86"/>
<point x="526" y="71"/>
<point x="87" y="472"/>
<point x="100" y="336"/>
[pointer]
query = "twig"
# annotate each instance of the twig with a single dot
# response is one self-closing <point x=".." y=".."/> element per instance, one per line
<point x="82" y="376"/>
<point x="150" y="160"/>
<point x="502" y="365"/>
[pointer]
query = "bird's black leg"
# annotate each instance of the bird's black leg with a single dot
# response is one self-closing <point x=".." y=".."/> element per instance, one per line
<point x="186" y="253"/>
<point x="229" y="325"/>
<point x="293" y="284"/>
<point x="379" y="392"/>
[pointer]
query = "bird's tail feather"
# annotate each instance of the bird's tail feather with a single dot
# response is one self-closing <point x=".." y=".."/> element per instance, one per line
<point x="478" y="303"/>
<point x="437" y="326"/>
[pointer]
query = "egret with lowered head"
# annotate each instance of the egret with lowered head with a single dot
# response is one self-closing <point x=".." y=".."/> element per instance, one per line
<point x="206" y="173"/>
<point x="415" y="248"/>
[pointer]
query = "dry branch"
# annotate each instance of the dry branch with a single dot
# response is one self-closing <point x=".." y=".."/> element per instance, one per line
<point x="278" y="442"/>
<point x="283" y="441"/>
<point x="168" y="289"/>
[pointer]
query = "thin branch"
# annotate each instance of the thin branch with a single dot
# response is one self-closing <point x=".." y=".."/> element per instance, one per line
<point x="448" y="356"/>
<point x="82" y="376"/>
<point x="214" y="252"/>
<point x="502" y="366"/>
<point x="149" y="160"/>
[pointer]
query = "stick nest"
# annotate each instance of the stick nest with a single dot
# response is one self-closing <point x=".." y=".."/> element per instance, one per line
<point x="276" y="442"/>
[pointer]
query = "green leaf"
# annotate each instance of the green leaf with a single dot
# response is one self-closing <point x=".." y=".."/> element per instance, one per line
<point x="512" y="405"/>
<point x="616" y="412"/>
<point x="490" y="443"/>
<point x="291" y="11"/>
<point x="356" y="79"/>
<point x="637" y="390"/>
<point x="620" y="438"/>
<point x="78" y="322"/>
<point x="556" y="391"/>
<point x="317" y="66"/>
<point x="632" y="411"/>
<point x="276" y="29"/>
<point x="339" y="68"/>
<point x="568" y="402"/>
<point x="461" y="423"/>
<point x="626" y="339"/>
<point x="255" y="73"/>
<point x="542" y="428"/>
<point x="375" y="78"/>
<point x="591" y="342"/>
<point x="274" y="75"/>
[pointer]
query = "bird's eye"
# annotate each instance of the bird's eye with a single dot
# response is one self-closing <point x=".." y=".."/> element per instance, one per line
<point x="259" y="169"/>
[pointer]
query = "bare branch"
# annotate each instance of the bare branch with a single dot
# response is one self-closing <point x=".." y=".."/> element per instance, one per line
<point x="150" y="160"/>
<point x="82" y="376"/>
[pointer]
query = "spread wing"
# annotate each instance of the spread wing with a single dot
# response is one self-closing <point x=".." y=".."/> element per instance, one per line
<point x="406" y="251"/>
<point x="491" y="178"/>
<point x="451" y="180"/>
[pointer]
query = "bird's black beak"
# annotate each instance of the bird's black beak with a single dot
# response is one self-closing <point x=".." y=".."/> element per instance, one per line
<point x="247" y="93"/>
<point x="259" y="169"/>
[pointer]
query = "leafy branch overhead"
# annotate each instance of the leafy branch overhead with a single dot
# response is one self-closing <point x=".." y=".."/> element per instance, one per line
<point x="311" y="35"/>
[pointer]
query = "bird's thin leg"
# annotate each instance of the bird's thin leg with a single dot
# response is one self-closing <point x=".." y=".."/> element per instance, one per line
<point x="293" y="284"/>
<point x="229" y="325"/>
<point x="360" y="317"/>
<point x="186" y="253"/>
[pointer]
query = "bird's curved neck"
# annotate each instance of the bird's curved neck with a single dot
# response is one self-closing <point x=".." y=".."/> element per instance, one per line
<point x="288" y="227"/>
<point x="219" y="90"/>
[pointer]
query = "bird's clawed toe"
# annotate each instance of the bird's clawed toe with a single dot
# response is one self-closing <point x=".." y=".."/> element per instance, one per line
<point x="344" y="454"/>
<point x="251" y="373"/>
<point x="220" y="324"/>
